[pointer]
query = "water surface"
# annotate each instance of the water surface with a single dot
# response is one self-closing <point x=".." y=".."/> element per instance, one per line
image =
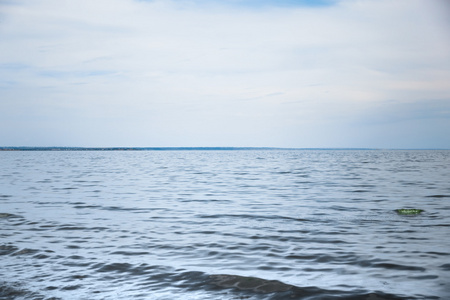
<point x="162" y="224"/>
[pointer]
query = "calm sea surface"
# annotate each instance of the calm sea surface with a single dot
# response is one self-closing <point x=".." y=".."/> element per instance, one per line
<point x="161" y="224"/>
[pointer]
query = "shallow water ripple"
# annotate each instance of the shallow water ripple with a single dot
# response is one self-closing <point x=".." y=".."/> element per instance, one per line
<point x="297" y="224"/>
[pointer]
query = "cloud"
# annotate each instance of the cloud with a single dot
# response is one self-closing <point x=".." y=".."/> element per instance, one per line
<point x="235" y="73"/>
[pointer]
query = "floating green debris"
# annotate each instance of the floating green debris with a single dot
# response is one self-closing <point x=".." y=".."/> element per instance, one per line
<point x="409" y="211"/>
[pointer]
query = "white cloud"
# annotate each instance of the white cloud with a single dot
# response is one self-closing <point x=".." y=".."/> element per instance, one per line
<point x="161" y="73"/>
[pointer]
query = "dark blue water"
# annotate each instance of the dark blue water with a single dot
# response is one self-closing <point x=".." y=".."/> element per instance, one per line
<point x="162" y="224"/>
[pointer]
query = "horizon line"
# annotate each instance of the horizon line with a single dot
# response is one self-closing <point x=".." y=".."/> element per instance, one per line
<point x="126" y="148"/>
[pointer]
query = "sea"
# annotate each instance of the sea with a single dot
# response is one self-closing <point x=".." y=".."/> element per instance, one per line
<point x="225" y="224"/>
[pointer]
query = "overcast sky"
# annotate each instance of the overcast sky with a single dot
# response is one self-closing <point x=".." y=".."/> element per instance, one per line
<point x="289" y="73"/>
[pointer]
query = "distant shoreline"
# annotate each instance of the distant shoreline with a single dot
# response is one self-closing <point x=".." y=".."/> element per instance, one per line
<point x="130" y="148"/>
<point x="178" y="148"/>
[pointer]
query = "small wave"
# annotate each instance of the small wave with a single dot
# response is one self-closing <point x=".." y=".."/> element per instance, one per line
<point x="398" y="267"/>
<point x="7" y="249"/>
<point x="8" y="216"/>
<point x="130" y="253"/>
<point x="279" y="290"/>
<point x="87" y="206"/>
<point x="242" y="287"/>
<point x="76" y="228"/>
<point x="17" y="291"/>
<point x="251" y="217"/>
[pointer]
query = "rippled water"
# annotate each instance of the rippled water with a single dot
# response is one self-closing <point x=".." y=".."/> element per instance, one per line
<point x="159" y="224"/>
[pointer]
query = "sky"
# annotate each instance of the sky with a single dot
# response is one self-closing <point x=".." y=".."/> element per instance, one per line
<point x="238" y="73"/>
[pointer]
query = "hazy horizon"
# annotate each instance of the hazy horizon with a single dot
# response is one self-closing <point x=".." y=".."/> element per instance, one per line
<point x="236" y="73"/>
<point x="113" y="148"/>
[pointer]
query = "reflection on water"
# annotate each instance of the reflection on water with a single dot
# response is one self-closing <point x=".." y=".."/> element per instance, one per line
<point x="160" y="224"/>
